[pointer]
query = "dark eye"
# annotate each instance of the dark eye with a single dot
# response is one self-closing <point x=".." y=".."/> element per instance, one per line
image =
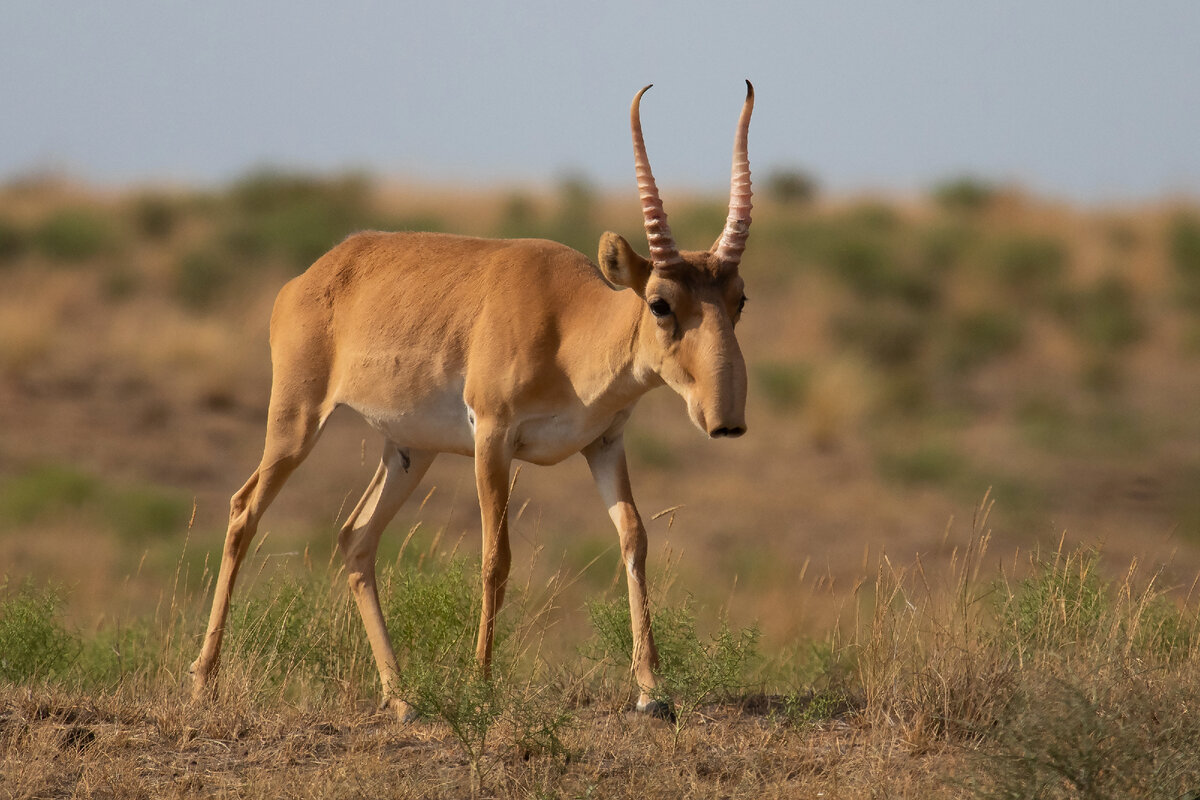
<point x="742" y="304"/>
<point x="659" y="307"/>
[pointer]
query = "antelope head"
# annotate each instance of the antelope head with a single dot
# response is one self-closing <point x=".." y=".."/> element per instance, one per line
<point x="692" y="299"/>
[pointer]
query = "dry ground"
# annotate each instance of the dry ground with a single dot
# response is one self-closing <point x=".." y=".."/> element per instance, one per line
<point x="55" y="746"/>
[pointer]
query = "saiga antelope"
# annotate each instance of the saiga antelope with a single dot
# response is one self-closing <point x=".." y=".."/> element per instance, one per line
<point x="501" y="350"/>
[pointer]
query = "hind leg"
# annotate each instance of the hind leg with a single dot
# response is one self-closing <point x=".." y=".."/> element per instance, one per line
<point x="291" y="434"/>
<point x="399" y="473"/>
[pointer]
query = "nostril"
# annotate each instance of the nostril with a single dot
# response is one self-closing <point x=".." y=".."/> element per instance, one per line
<point x="733" y="432"/>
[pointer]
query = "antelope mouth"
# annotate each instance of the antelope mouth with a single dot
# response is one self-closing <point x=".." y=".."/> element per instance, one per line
<point x="727" y="430"/>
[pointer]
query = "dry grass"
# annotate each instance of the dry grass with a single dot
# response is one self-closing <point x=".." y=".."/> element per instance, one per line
<point x="56" y="747"/>
<point x="957" y="682"/>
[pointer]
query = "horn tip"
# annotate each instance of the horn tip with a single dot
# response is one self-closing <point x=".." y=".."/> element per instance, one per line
<point x="749" y="89"/>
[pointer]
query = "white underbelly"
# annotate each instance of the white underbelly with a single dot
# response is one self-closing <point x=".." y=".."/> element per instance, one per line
<point x="444" y="423"/>
<point x="438" y="424"/>
<point x="551" y="438"/>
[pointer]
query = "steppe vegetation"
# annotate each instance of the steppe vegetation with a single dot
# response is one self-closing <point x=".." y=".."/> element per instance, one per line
<point x="955" y="554"/>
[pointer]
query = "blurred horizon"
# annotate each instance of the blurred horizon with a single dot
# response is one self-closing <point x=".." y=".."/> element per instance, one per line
<point x="1065" y="101"/>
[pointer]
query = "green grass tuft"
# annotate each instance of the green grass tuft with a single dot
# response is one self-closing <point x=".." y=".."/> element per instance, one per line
<point x="35" y="644"/>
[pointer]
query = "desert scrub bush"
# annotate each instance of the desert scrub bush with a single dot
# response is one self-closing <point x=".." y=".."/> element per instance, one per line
<point x="891" y="335"/>
<point x="35" y="645"/>
<point x="573" y="223"/>
<point x="930" y="462"/>
<point x="785" y="384"/>
<point x="201" y="278"/>
<point x="156" y="215"/>
<point x="43" y="490"/>
<point x="792" y="187"/>
<point x="1183" y="245"/>
<point x="964" y="194"/>
<point x="650" y="450"/>
<point x="433" y="616"/>
<point x="72" y="235"/>
<point x="135" y="512"/>
<point x="293" y="217"/>
<point x="129" y="652"/>
<point x="301" y="635"/>
<point x="698" y="219"/>
<point x="293" y="636"/>
<point x="1108" y="733"/>
<point x="519" y="218"/>
<point x="1029" y="267"/>
<point x="14" y="241"/>
<point x="945" y="246"/>
<point x="1105" y="315"/>
<point x="955" y="657"/>
<point x="692" y="670"/>
<point x="978" y="337"/>
<point x="1066" y="610"/>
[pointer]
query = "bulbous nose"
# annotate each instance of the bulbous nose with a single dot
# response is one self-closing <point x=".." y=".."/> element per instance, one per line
<point x="732" y="431"/>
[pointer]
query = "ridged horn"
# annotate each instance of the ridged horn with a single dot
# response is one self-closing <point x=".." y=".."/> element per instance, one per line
<point x="732" y="243"/>
<point x="663" y="251"/>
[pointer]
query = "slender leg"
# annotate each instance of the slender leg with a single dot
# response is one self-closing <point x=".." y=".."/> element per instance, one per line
<point x="493" y="460"/>
<point x="291" y="434"/>
<point x="399" y="473"/>
<point x="606" y="458"/>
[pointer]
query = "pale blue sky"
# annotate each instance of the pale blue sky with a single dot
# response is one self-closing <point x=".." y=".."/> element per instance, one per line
<point x="1090" y="101"/>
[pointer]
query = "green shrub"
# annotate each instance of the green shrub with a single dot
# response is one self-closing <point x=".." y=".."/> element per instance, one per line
<point x="14" y="241"/>
<point x="433" y="616"/>
<point x="156" y="216"/>
<point x="573" y="224"/>
<point x="864" y="255"/>
<point x="138" y="513"/>
<point x="201" y="279"/>
<point x="295" y="631"/>
<point x="1045" y="421"/>
<point x="132" y="511"/>
<point x="889" y="334"/>
<point x="294" y="217"/>
<point x="649" y="450"/>
<point x="929" y="462"/>
<point x="863" y="264"/>
<point x="697" y="224"/>
<point x="792" y="187"/>
<point x="1183" y="244"/>
<point x="964" y="194"/>
<point x="982" y="336"/>
<point x="519" y="218"/>
<point x="784" y="384"/>
<point x="1029" y="266"/>
<point x="130" y="650"/>
<point x="75" y="234"/>
<point x="1061" y="606"/>
<point x="693" y="670"/>
<point x="1105" y="315"/>
<point x="45" y="490"/>
<point x="34" y="643"/>
<point x="943" y="247"/>
<point x="1067" y="608"/>
<point x="1107" y="734"/>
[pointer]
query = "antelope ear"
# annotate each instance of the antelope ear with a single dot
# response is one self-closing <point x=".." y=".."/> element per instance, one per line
<point x="621" y="265"/>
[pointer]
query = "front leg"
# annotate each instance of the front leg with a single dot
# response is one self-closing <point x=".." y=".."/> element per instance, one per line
<point x="606" y="458"/>
<point x="493" y="461"/>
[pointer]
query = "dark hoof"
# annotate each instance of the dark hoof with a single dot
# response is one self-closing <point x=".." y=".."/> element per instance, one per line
<point x="403" y="712"/>
<point x="657" y="709"/>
